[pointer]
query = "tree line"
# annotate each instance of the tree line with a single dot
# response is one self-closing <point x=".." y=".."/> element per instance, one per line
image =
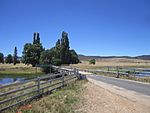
<point x="34" y="53"/>
<point x="10" y="59"/>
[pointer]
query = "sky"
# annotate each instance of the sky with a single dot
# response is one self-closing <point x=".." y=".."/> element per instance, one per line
<point x="94" y="27"/>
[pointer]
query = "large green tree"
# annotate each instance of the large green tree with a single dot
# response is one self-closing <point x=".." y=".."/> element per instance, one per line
<point x="15" y="57"/>
<point x="1" y="58"/>
<point x="32" y="52"/>
<point x="64" y="50"/>
<point x="9" y="59"/>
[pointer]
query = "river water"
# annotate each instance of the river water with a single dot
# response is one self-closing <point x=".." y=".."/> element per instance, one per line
<point x="7" y="80"/>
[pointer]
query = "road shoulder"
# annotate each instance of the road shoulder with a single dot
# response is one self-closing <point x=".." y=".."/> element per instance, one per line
<point x="99" y="99"/>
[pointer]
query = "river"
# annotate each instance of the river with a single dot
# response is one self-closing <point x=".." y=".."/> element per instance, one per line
<point x="8" y="80"/>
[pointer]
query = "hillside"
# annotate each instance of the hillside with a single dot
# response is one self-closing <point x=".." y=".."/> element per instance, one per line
<point x="142" y="57"/>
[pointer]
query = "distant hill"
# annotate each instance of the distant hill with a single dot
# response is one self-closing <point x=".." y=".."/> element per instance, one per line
<point x="143" y="57"/>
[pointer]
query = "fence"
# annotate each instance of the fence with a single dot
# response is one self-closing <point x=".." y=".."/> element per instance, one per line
<point x="119" y="71"/>
<point x="17" y="93"/>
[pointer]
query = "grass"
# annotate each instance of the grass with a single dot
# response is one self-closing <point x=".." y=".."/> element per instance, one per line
<point x="19" y="70"/>
<point x="64" y="100"/>
<point x="124" y="62"/>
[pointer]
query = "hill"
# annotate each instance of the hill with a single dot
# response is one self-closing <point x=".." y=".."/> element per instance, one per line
<point x="142" y="57"/>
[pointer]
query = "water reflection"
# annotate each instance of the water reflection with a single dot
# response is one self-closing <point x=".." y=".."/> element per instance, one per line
<point x="8" y="80"/>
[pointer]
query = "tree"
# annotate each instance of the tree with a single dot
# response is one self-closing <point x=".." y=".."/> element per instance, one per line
<point x="1" y="58"/>
<point x="31" y="53"/>
<point x="73" y="57"/>
<point x="34" y="38"/>
<point x="9" y="59"/>
<point x="38" y="38"/>
<point x="64" y="50"/>
<point x="46" y="59"/>
<point x="60" y="54"/>
<point x="15" y="56"/>
<point x="92" y="61"/>
<point x="57" y="49"/>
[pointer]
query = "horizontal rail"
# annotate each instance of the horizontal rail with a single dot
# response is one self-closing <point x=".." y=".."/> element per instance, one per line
<point x="70" y="78"/>
<point x="17" y="90"/>
<point x="15" y="97"/>
<point x="12" y="105"/>
<point x="50" y="85"/>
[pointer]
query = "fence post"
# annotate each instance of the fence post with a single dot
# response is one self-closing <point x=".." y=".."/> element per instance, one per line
<point x="117" y="69"/>
<point x="36" y="69"/>
<point x="38" y="86"/>
<point x="134" y="73"/>
<point x="63" y="79"/>
<point x="108" y="68"/>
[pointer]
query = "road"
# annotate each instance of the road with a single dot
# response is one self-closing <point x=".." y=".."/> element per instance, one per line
<point x="126" y="84"/>
<point x="139" y="87"/>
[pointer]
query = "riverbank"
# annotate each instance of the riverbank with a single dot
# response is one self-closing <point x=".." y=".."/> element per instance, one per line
<point x="12" y="73"/>
<point x="18" y="69"/>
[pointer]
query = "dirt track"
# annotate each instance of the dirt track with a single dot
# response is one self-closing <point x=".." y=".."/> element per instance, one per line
<point x="101" y="100"/>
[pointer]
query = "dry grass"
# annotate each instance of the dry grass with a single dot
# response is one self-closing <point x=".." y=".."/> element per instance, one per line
<point x="18" y="69"/>
<point x="13" y="66"/>
<point x="114" y="62"/>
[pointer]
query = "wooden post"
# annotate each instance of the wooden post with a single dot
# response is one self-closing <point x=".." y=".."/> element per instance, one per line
<point x="38" y="86"/>
<point x="63" y="79"/>
<point x="36" y="69"/>
<point x="117" y="69"/>
<point x="134" y="73"/>
<point x="108" y="68"/>
<point x="74" y="71"/>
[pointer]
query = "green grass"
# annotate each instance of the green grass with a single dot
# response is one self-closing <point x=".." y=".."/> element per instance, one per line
<point x="64" y="100"/>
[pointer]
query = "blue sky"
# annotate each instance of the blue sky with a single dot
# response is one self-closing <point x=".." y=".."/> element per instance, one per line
<point x="95" y="27"/>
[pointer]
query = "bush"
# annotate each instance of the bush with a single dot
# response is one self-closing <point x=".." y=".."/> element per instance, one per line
<point x="92" y="61"/>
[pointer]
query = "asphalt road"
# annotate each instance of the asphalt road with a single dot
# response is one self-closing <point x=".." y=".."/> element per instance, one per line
<point x="129" y="85"/>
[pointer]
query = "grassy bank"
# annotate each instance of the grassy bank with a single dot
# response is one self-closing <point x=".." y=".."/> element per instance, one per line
<point x="64" y="100"/>
<point x="19" y="70"/>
